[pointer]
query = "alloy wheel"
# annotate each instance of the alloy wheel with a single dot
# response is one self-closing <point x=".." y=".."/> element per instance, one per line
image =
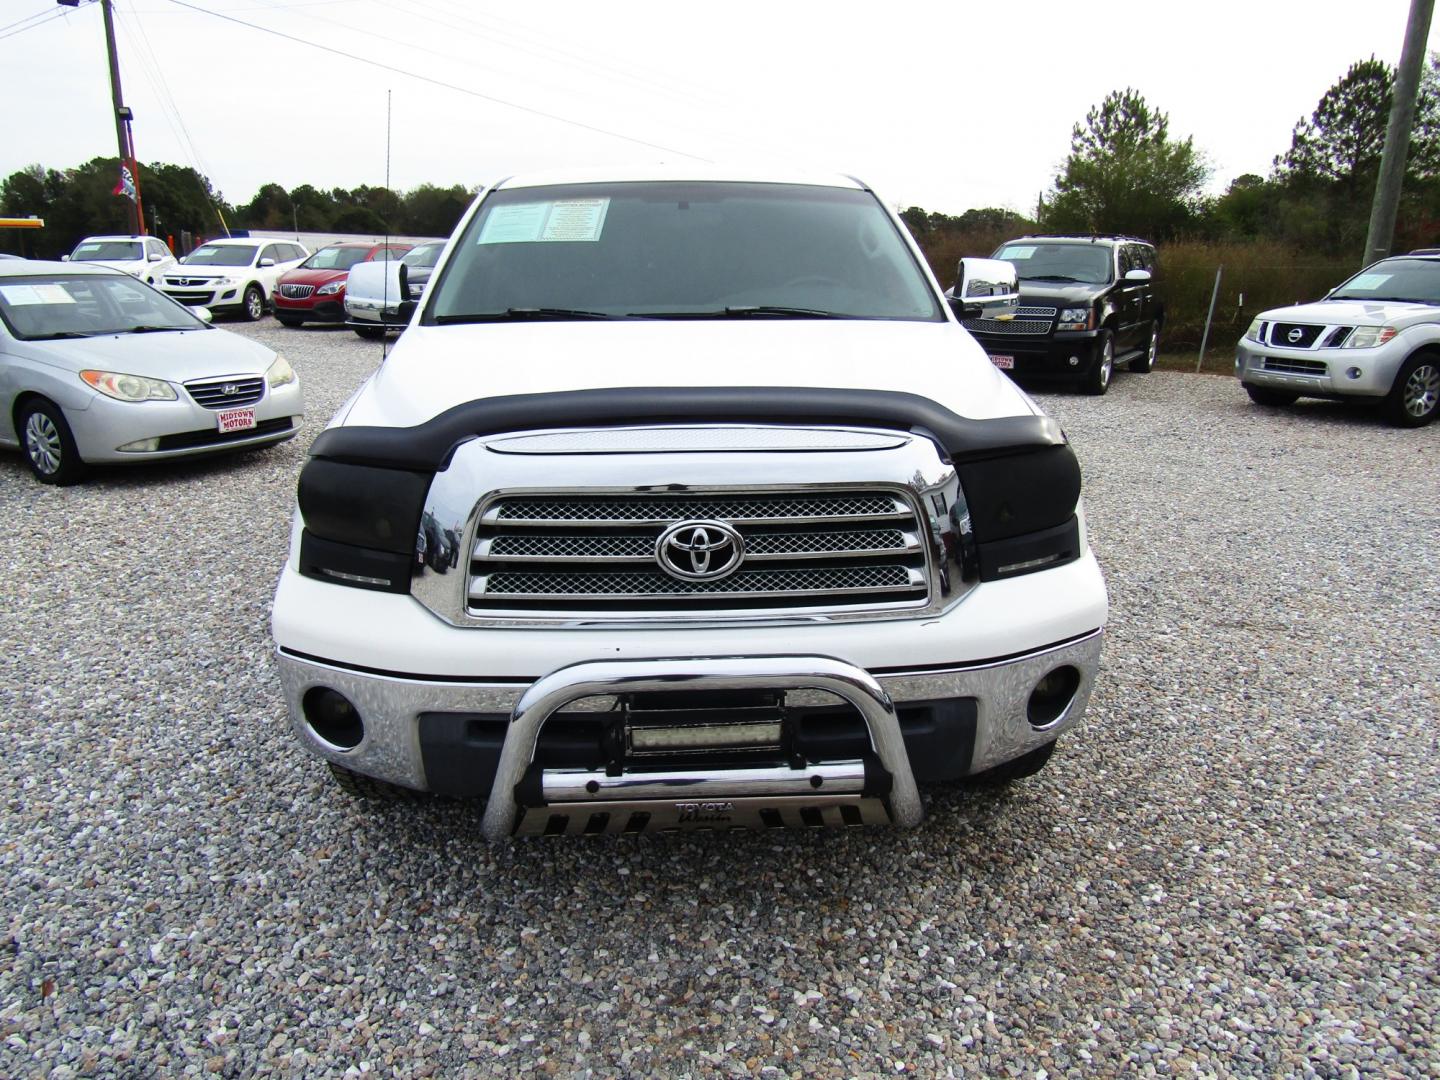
<point x="42" y="443"/>
<point x="1422" y="390"/>
<point x="1107" y="363"/>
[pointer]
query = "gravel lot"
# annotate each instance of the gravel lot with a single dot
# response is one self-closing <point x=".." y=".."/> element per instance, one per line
<point x="1231" y="868"/>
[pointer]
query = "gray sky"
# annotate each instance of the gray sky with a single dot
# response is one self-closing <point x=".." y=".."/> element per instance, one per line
<point x="942" y="105"/>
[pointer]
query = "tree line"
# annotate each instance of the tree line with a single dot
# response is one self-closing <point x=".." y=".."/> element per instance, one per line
<point x="1125" y="173"/>
<point x="177" y="200"/>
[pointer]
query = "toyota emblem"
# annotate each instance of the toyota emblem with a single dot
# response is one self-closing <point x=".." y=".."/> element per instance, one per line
<point x="1295" y="335"/>
<point x="699" y="550"/>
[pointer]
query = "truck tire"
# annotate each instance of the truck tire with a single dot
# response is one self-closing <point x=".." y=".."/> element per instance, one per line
<point x="1265" y="395"/>
<point x="367" y="787"/>
<point x="1143" y="365"/>
<point x="1414" y="399"/>
<point x="1097" y="380"/>
<point x="370" y="333"/>
<point x="1017" y="769"/>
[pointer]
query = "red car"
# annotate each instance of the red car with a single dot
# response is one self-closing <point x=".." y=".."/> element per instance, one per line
<point x="315" y="290"/>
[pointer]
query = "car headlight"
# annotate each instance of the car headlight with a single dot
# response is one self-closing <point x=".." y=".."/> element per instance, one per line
<point x="226" y="282"/>
<point x="331" y="289"/>
<point x="129" y="387"/>
<point x="280" y="373"/>
<point x="1075" y="318"/>
<point x="1256" y="332"/>
<point x="1367" y="337"/>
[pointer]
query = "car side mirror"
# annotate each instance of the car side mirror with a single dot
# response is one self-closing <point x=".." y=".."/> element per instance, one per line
<point x="267" y="262"/>
<point x="155" y="258"/>
<point x="406" y="310"/>
<point x="204" y="314"/>
<point x="985" y="289"/>
<point x="64" y="258"/>
<point x="1138" y="276"/>
<point x="402" y="274"/>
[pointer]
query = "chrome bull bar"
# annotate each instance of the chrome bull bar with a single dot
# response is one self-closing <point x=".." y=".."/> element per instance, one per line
<point x="691" y="798"/>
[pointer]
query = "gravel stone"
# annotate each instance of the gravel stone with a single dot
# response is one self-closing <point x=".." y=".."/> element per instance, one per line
<point x="1229" y="869"/>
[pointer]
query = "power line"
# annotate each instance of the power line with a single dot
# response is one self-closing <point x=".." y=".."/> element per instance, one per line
<point x="43" y="17"/>
<point x="441" y="83"/>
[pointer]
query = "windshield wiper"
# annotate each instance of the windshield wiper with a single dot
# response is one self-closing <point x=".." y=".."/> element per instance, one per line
<point x="153" y="329"/>
<point x="1055" y="277"/>
<point x="1384" y="299"/>
<point x="745" y="311"/>
<point x="521" y="314"/>
<point x="59" y="334"/>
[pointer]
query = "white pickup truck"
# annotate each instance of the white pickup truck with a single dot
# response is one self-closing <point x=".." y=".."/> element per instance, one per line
<point x="685" y="501"/>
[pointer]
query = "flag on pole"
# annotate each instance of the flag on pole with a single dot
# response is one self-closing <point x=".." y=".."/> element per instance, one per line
<point x="126" y="185"/>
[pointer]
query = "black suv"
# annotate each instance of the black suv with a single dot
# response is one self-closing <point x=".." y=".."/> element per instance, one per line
<point x="1087" y="303"/>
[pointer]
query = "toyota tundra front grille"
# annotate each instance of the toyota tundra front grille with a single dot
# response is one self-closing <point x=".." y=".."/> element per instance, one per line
<point x="667" y="554"/>
<point x="227" y="393"/>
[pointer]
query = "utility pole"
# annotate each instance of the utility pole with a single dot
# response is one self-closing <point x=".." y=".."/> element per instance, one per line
<point x="1381" y="234"/>
<point x="123" y="115"/>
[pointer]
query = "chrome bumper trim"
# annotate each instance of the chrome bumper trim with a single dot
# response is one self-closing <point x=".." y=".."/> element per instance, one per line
<point x="585" y="785"/>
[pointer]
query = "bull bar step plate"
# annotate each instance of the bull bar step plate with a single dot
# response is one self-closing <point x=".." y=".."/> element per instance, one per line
<point x="670" y="815"/>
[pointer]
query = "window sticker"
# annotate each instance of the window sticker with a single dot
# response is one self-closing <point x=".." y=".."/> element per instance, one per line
<point x="24" y="295"/>
<point x="1017" y="252"/>
<point x="529" y="223"/>
<point x="1369" y="281"/>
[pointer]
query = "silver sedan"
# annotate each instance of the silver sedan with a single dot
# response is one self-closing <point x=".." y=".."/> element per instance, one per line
<point x="98" y="367"/>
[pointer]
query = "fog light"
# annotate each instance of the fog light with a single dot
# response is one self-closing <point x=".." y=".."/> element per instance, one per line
<point x="139" y="446"/>
<point x="1052" y="696"/>
<point x="1353" y="373"/>
<point x="1074" y="361"/>
<point x="332" y="717"/>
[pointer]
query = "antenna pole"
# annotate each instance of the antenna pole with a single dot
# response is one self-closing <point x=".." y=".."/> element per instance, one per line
<point x="385" y="290"/>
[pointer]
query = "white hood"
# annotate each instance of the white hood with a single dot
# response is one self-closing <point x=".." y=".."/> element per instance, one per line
<point x="433" y="368"/>
<point x="1354" y="313"/>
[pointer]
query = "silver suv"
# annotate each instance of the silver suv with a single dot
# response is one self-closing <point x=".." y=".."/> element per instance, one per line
<point x="1375" y="337"/>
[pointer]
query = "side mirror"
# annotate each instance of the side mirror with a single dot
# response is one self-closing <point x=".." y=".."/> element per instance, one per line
<point x="155" y="258"/>
<point x="1138" y="276"/>
<point x="64" y="258"/>
<point x="267" y="262"/>
<point x="406" y="310"/>
<point x="985" y="289"/>
<point x="204" y="314"/>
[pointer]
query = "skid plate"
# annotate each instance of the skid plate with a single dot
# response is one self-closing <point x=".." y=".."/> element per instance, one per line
<point x="670" y="815"/>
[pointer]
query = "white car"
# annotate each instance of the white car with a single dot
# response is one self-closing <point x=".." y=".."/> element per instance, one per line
<point x="96" y="367"/>
<point x="144" y="257"/>
<point x="232" y="274"/>
<point x="685" y="501"/>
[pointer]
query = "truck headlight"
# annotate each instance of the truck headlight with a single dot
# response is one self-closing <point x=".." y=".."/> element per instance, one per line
<point x="1256" y="333"/>
<point x="1368" y="337"/>
<point x="331" y="289"/>
<point x="1076" y="318"/>
<point x="128" y="387"/>
<point x="280" y="373"/>
<point x="361" y="524"/>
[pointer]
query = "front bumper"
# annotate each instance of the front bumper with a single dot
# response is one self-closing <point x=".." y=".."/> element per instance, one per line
<point x="1044" y="356"/>
<point x="371" y="313"/>
<point x="327" y="309"/>
<point x="212" y="298"/>
<point x="182" y="426"/>
<point x="401" y="713"/>
<point x="1322" y="372"/>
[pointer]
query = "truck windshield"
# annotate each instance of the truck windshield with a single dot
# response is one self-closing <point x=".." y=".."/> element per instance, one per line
<point x="1085" y="263"/>
<point x="675" y="250"/>
<point x="1415" y="280"/>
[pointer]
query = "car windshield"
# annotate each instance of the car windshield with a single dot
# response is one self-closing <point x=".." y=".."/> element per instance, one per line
<point x="108" y="251"/>
<point x="1415" y="280"/>
<point x="1038" y="261"/>
<point x="681" y="250"/>
<point x="335" y="258"/>
<point x="423" y="255"/>
<point x="221" y="255"/>
<point x="40" y="307"/>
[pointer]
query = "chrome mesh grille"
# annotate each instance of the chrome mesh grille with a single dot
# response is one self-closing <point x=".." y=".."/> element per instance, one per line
<point x="227" y="393"/>
<point x="1007" y="326"/>
<point x="296" y="292"/>
<point x="577" y="553"/>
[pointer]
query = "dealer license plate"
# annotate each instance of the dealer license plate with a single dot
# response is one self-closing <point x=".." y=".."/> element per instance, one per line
<point x="1006" y="362"/>
<point x="236" y="419"/>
